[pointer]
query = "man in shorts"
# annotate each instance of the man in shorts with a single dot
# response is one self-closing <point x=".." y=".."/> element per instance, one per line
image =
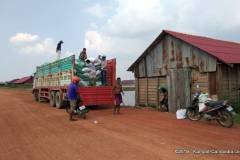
<point x="73" y="95"/>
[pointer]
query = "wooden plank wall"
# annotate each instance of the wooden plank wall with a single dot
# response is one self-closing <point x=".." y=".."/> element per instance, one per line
<point x="201" y="79"/>
<point x="142" y="91"/>
<point x="228" y="82"/>
<point x="152" y="90"/>
<point x="183" y="55"/>
<point x="137" y="91"/>
<point x="147" y="93"/>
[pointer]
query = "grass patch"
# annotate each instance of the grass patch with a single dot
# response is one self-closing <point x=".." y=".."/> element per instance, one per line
<point x="236" y="107"/>
<point x="128" y="88"/>
<point x="237" y="118"/>
<point x="19" y="86"/>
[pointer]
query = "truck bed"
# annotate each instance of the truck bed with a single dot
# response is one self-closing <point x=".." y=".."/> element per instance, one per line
<point x="101" y="95"/>
<point x="51" y="81"/>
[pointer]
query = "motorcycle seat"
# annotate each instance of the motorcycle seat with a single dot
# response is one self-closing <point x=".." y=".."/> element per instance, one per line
<point x="214" y="103"/>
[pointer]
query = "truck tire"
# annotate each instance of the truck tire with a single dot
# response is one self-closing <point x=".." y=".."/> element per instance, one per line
<point x="52" y="99"/>
<point x="58" y="100"/>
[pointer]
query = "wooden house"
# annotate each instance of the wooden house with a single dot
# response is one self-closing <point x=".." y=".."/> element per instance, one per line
<point x="179" y="62"/>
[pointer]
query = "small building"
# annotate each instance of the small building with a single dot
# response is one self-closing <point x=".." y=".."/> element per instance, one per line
<point x="179" y="62"/>
<point x="24" y="80"/>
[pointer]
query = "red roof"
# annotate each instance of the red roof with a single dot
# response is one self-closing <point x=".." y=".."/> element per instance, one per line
<point x="228" y="52"/>
<point x="12" y="81"/>
<point x="28" y="79"/>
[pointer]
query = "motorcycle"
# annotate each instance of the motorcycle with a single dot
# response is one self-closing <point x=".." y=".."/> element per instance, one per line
<point x="204" y="107"/>
<point x="80" y="111"/>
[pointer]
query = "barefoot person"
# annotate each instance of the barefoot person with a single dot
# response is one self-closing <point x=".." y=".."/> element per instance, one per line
<point x="117" y="90"/>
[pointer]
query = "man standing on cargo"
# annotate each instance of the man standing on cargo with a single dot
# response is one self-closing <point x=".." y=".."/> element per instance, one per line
<point x="58" y="49"/>
<point x="104" y="70"/>
<point x="73" y="95"/>
<point x="83" y="54"/>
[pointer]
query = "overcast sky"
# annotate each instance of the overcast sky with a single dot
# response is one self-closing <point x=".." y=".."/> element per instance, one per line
<point x="30" y="29"/>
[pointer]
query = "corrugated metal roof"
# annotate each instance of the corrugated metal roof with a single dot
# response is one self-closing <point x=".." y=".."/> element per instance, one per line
<point x="23" y="80"/>
<point x="12" y="81"/>
<point x="225" y="51"/>
<point x="228" y="52"/>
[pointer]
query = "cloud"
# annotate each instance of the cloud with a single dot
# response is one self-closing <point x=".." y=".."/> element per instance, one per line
<point x="96" y="42"/>
<point x="23" y="38"/>
<point x="45" y="46"/>
<point x="136" y="23"/>
<point x="141" y="19"/>
<point x="30" y="44"/>
<point x="96" y="10"/>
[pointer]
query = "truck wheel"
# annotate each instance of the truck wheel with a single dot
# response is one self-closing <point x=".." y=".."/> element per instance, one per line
<point x="58" y="100"/>
<point x="52" y="99"/>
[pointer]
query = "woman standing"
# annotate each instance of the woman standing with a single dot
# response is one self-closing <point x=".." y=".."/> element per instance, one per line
<point x="117" y="90"/>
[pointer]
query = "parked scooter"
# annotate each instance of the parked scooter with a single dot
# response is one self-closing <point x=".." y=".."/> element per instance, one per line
<point x="80" y="111"/>
<point x="202" y="106"/>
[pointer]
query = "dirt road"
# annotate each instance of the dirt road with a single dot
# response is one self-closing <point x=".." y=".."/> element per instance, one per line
<point x="36" y="131"/>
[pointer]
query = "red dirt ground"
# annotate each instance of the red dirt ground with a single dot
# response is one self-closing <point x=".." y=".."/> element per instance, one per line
<point x="35" y="131"/>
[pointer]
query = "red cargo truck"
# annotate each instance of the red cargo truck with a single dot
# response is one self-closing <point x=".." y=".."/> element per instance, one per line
<point x="51" y="81"/>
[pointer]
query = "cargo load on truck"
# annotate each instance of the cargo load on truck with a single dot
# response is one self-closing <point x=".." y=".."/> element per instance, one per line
<point x="89" y="72"/>
<point x="51" y="81"/>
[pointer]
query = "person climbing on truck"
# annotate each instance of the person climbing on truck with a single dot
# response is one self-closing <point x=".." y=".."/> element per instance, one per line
<point x="83" y="54"/>
<point x="73" y="95"/>
<point x="58" y="49"/>
<point x="117" y="90"/>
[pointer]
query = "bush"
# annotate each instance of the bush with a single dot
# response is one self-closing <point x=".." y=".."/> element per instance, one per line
<point x="237" y="118"/>
<point x="236" y="107"/>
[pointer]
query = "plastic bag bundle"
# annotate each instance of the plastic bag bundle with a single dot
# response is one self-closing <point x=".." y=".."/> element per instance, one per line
<point x="181" y="113"/>
<point x="98" y="83"/>
<point x="89" y="72"/>
<point x="98" y="72"/>
<point x="84" y="83"/>
<point x="97" y="62"/>
<point x="92" y="74"/>
<point x="203" y="97"/>
<point x="86" y="69"/>
<point x="80" y="63"/>
<point x="202" y="107"/>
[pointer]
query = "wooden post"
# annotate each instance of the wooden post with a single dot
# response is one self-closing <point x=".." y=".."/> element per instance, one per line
<point x="137" y="91"/>
<point x="219" y="82"/>
<point x="147" y="90"/>
<point x="158" y="104"/>
<point x="146" y="76"/>
<point x="238" y="85"/>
